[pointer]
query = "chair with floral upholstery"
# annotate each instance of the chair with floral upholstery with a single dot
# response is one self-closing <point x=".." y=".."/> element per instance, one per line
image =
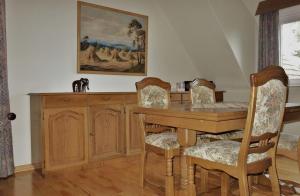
<point x="160" y="140"/>
<point x="203" y="92"/>
<point x="256" y="153"/>
<point x="289" y="146"/>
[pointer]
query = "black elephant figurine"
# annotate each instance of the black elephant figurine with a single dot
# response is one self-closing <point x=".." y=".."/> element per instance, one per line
<point x="81" y="85"/>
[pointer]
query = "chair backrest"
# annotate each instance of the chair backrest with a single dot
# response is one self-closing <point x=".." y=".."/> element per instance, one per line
<point x="265" y="111"/>
<point x="153" y="91"/>
<point x="202" y="91"/>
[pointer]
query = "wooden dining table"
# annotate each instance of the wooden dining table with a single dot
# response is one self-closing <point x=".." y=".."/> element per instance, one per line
<point x="215" y="118"/>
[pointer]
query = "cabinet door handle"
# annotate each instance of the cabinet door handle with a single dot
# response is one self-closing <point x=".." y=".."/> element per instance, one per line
<point x="92" y="134"/>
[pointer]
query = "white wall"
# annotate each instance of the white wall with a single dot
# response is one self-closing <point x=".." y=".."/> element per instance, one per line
<point x="41" y="37"/>
<point x="202" y="35"/>
<point x="238" y="27"/>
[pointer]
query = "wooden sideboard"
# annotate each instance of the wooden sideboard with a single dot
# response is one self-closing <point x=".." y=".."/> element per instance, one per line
<point x="73" y="129"/>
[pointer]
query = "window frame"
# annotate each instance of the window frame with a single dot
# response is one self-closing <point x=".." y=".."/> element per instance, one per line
<point x="288" y="15"/>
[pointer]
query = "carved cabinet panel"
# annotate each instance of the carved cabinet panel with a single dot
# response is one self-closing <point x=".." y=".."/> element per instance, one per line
<point x="134" y="133"/>
<point x="72" y="129"/>
<point x="65" y="137"/>
<point x="107" y="133"/>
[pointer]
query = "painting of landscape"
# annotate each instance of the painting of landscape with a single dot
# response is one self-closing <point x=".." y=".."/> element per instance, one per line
<point x="111" y="41"/>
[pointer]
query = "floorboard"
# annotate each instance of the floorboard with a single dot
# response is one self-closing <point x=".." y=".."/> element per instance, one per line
<point x="116" y="177"/>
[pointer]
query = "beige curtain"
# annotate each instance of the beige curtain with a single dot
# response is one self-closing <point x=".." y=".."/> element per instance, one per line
<point x="6" y="150"/>
<point x="268" y="51"/>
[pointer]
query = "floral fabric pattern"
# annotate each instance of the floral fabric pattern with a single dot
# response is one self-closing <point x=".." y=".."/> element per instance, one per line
<point x="289" y="142"/>
<point x="224" y="136"/>
<point x="154" y="96"/>
<point x="202" y="95"/>
<point x="270" y="105"/>
<point x="6" y="148"/>
<point x="223" y="151"/>
<point x="165" y="140"/>
<point x="202" y="140"/>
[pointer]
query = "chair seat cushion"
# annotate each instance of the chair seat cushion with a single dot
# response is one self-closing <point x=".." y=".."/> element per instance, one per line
<point x="222" y="151"/>
<point x="204" y="138"/>
<point x="288" y="142"/>
<point x="165" y="140"/>
<point x="225" y="136"/>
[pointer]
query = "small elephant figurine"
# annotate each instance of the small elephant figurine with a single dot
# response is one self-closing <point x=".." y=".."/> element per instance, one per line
<point x="80" y="85"/>
<point x="84" y="84"/>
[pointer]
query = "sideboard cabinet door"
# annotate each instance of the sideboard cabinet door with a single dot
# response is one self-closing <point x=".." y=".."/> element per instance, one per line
<point x="133" y="131"/>
<point x="65" y="137"/>
<point x="106" y="134"/>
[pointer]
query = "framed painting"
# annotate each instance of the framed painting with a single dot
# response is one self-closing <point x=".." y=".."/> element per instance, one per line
<point x="111" y="41"/>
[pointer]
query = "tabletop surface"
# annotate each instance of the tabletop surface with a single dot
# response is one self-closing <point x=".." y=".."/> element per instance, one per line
<point x="215" y="112"/>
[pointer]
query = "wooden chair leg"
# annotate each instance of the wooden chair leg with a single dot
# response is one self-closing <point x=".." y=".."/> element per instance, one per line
<point x="144" y="156"/>
<point x="169" y="178"/>
<point x="243" y="185"/>
<point x="250" y="183"/>
<point x="225" y="184"/>
<point x="203" y="180"/>
<point x="191" y="178"/>
<point x="274" y="178"/>
<point x="298" y="162"/>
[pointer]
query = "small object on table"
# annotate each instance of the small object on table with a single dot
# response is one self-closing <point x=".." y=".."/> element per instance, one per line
<point x="187" y="85"/>
<point x="180" y="87"/>
<point x="80" y="85"/>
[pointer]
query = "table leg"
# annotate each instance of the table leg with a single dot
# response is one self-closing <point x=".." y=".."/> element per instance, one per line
<point x="186" y="138"/>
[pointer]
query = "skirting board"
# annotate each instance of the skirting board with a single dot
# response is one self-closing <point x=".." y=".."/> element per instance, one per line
<point x="27" y="168"/>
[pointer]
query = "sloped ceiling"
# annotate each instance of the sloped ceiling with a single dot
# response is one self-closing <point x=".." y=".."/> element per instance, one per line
<point x="252" y="5"/>
<point x="219" y="37"/>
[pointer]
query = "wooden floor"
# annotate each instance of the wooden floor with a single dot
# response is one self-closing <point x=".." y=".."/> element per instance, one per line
<point x="117" y="177"/>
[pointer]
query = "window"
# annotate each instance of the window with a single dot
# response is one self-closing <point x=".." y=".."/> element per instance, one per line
<point x="289" y="20"/>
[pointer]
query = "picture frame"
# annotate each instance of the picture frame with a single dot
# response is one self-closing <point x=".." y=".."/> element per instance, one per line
<point x="111" y="41"/>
